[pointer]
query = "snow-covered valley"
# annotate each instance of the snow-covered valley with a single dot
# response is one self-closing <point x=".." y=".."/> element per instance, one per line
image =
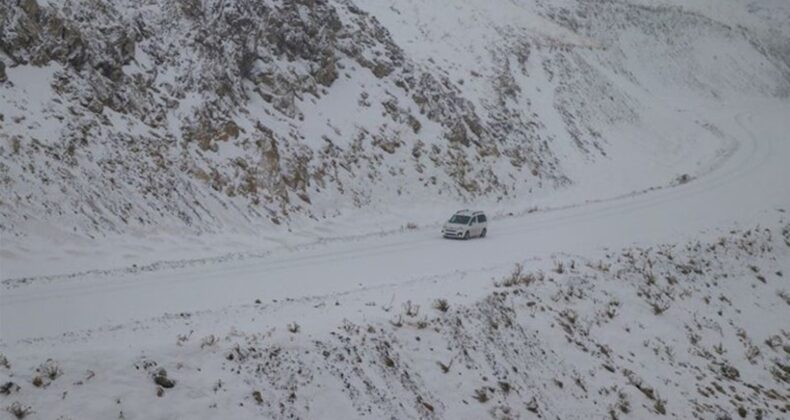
<point x="248" y="195"/>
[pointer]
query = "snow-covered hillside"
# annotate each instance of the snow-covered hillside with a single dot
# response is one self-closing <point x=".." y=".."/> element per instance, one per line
<point x="671" y="302"/>
<point x="138" y="118"/>
<point x="231" y="209"/>
<point x="679" y="330"/>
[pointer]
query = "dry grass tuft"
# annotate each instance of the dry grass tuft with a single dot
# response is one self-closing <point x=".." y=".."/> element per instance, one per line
<point x="441" y="305"/>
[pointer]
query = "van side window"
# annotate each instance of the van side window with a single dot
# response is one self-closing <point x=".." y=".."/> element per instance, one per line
<point x="481" y="218"/>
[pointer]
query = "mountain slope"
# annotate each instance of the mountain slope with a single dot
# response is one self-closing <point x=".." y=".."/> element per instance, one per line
<point x="139" y="117"/>
<point x="230" y="209"/>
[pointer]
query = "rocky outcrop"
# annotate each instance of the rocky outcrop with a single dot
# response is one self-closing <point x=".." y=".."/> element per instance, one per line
<point x="197" y="112"/>
<point x="38" y="35"/>
<point x="194" y="101"/>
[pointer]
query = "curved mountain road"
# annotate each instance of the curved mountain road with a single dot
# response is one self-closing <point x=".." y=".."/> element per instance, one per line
<point x="749" y="186"/>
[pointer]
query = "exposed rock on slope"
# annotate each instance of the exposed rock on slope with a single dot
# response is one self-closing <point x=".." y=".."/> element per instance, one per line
<point x="180" y="109"/>
<point x="209" y="115"/>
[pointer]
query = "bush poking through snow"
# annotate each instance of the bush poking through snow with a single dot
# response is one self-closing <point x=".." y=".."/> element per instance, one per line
<point x="258" y="397"/>
<point x="570" y="315"/>
<point x="50" y="370"/>
<point x="519" y="278"/>
<point x="611" y="309"/>
<point x="47" y="372"/>
<point x="752" y="353"/>
<point x="659" y="307"/>
<point x="217" y="386"/>
<point x="18" y="410"/>
<point x="410" y="309"/>
<point x="602" y="267"/>
<point x="660" y="407"/>
<point x="8" y="388"/>
<point x="183" y="338"/>
<point x="559" y="268"/>
<point x="622" y="403"/>
<point x="294" y="328"/>
<point x="730" y="372"/>
<point x="639" y="384"/>
<point x="781" y="372"/>
<point x="425" y="404"/>
<point x="481" y="395"/>
<point x="532" y="405"/>
<point x="397" y="323"/>
<point x="161" y="379"/>
<point x="441" y="305"/>
<point x="209" y="341"/>
<point x="388" y="361"/>
<point x="774" y="342"/>
<point x="650" y="278"/>
<point x="4" y="361"/>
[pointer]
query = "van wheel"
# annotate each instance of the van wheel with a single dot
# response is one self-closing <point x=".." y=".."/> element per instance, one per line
<point x="466" y="235"/>
<point x="483" y="233"/>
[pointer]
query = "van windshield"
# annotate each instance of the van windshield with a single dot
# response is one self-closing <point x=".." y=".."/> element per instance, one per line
<point x="460" y="220"/>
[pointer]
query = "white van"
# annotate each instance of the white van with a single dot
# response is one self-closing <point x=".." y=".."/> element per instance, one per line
<point x="466" y="224"/>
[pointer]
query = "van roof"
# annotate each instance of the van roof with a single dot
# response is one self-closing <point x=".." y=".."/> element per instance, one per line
<point x="468" y="212"/>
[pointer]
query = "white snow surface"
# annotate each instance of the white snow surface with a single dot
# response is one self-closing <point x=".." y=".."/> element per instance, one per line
<point x="673" y="298"/>
<point x="222" y="328"/>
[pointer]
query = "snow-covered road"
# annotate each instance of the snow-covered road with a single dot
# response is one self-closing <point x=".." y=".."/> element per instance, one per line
<point x="751" y="183"/>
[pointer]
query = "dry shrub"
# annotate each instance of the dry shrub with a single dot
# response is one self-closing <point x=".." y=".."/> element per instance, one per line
<point x="18" y="410"/>
<point x="441" y="305"/>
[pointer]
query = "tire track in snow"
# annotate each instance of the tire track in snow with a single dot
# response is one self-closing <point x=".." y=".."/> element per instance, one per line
<point x="239" y="280"/>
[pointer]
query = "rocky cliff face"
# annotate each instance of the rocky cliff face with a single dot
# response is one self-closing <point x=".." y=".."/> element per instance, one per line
<point x="163" y="109"/>
<point x="205" y="114"/>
